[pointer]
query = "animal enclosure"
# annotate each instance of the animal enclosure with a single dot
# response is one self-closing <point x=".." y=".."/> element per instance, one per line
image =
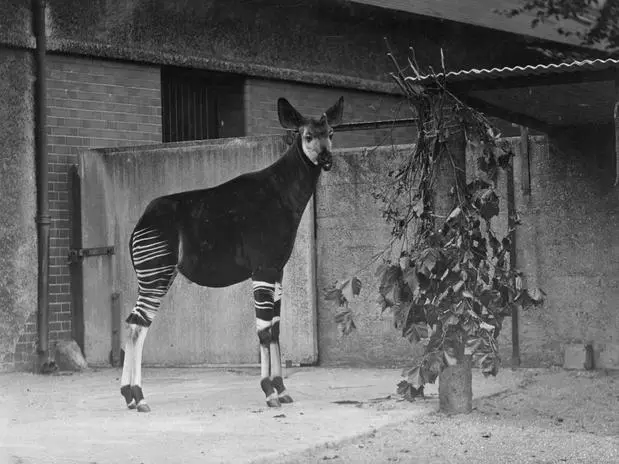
<point x="341" y="229"/>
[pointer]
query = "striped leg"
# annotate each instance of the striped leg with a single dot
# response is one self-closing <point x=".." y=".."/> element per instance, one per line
<point x="276" y="359"/>
<point x="154" y="260"/>
<point x="264" y="296"/>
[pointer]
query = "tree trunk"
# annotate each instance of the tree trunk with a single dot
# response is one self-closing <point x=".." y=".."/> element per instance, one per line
<point x="455" y="388"/>
<point x="455" y="382"/>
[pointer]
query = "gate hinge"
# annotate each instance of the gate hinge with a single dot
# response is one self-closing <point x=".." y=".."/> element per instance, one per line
<point x="76" y="254"/>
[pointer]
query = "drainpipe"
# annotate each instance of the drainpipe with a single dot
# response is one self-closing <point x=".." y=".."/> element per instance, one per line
<point x="43" y="218"/>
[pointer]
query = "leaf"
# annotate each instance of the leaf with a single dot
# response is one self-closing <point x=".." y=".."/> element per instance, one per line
<point x="455" y="213"/>
<point x="390" y="276"/>
<point x="433" y="365"/>
<point x="410" y="278"/>
<point x="334" y="294"/>
<point x="418" y="207"/>
<point x="415" y="332"/>
<point x="408" y="392"/>
<point x="487" y="202"/>
<point x="452" y="320"/>
<point x="415" y="377"/>
<point x="351" y="288"/>
<point x="345" y="322"/>
<point x="380" y="270"/>
<point x="429" y="261"/>
<point x="472" y="344"/>
<point x="537" y="295"/>
<point x="450" y="359"/>
<point x="400" y="313"/>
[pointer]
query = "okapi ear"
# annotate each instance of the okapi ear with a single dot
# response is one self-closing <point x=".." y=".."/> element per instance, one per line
<point x="334" y="114"/>
<point x="289" y="118"/>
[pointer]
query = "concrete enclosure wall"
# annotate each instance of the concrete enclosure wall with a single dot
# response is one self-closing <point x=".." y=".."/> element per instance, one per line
<point x="18" y="238"/>
<point x="195" y="325"/>
<point x="566" y="244"/>
<point x="570" y="245"/>
<point x="349" y="232"/>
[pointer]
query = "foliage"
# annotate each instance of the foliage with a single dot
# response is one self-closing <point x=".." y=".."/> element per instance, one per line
<point x="452" y="282"/>
<point x="600" y="18"/>
<point x="342" y="293"/>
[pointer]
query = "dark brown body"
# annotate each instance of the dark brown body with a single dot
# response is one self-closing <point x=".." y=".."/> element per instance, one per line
<point x="223" y="235"/>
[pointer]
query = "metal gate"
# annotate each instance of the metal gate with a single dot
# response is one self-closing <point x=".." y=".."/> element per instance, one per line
<point x="195" y="325"/>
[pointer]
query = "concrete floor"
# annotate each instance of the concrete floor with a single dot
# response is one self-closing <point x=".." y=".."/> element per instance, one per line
<point x="200" y="415"/>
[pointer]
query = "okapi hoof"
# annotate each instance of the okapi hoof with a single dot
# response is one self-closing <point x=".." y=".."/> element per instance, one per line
<point x="143" y="407"/>
<point x="274" y="402"/>
<point x="285" y="399"/>
<point x="125" y="391"/>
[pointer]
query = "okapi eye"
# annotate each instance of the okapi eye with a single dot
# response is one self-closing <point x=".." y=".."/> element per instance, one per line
<point x="308" y="138"/>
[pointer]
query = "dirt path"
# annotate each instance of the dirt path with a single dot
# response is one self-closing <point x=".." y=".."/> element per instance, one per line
<point x="556" y="416"/>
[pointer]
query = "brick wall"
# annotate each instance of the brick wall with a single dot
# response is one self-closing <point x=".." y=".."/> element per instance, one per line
<point x="91" y="103"/>
<point x="261" y="110"/>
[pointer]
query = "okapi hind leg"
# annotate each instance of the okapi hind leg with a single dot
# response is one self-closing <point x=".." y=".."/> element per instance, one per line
<point x="275" y="353"/>
<point x="154" y="254"/>
<point x="131" y="381"/>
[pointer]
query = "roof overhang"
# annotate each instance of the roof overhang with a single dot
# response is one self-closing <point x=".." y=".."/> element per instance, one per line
<point x="542" y="97"/>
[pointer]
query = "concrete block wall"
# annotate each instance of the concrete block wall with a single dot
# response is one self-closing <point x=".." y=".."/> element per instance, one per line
<point x="18" y="237"/>
<point x="570" y="246"/>
<point x="261" y="110"/>
<point x="350" y="230"/>
<point x="91" y="103"/>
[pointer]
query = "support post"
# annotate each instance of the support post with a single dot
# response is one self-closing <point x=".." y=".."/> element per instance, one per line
<point x="511" y="225"/>
<point x="43" y="218"/>
<point x="525" y="182"/>
<point x="75" y="266"/>
<point x="616" y="126"/>
<point x="454" y="382"/>
<point x="116" y="342"/>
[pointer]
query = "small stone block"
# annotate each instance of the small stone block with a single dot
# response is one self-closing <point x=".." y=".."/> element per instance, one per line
<point x="69" y="356"/>
<point x="574" y="356"/>
<point x="607" y="356"/>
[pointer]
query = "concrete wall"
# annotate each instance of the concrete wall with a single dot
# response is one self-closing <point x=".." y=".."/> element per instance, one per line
<point x="261" y="110"/>
<point x="195" y="325"/>
<point x="569" y="243"/>
<point x="263" y="37"/>
<point x="349" y="232"/>
<point x="18" y="238"/>
<point x="323" y="42"/>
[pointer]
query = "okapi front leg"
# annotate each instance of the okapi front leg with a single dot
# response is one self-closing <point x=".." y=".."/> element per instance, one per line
<point x="276" y="358"/>
<point x="264" y="303"/>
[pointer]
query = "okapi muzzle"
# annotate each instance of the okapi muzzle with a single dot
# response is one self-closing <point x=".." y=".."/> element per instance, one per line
<point x="325" y="160"/>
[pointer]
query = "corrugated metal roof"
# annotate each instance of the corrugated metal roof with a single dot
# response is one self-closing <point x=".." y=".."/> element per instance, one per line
<point x="528" y="70"/>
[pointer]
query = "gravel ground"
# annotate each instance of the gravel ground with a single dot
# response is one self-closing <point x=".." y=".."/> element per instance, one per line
<point x="555" y="416"/>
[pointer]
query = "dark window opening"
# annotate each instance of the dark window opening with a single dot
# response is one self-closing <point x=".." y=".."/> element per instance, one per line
<point x="197" y="105"/>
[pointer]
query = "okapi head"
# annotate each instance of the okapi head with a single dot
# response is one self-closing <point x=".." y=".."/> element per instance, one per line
<point x="316" y="134"/>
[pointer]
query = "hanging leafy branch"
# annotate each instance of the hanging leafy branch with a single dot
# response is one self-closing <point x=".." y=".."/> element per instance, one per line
<point x="599" y="19"/>
<point x="453" y="282"/>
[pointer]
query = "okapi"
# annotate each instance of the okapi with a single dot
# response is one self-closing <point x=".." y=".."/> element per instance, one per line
<point x="216" y="237"/>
